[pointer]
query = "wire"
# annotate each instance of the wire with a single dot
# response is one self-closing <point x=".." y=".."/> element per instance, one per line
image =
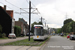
<point x="33" y="4"/>
<point x="27" y="1"/>
<point x="12" y="9"/>
<point x="4" y="4"/>
<point x="16" y="6"/>
<point x="23" y="9"/>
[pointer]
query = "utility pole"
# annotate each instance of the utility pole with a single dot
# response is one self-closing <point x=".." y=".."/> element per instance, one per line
<point x="45" y="24"/>
<point x="33" y="12"/>
<point x="66" y="15"/>
<point x="29" y="17"/>
<point x="41" y="19"/>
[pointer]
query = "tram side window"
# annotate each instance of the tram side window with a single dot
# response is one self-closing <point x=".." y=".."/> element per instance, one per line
<point x="42" y="32"/>
<point x="45" y="32"/>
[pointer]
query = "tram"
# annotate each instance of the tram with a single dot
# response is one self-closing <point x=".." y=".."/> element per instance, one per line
<point x="40" y="32"/>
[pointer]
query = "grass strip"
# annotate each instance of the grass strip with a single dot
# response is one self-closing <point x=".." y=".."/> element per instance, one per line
<point x="4" y="38"/>
<point x="25" y="42"/>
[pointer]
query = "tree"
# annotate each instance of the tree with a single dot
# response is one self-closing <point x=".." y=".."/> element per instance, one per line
<point x="67" y="21"/>
<point x="69" y="27"/>
<point x="66" y="28"/>
<point x="59" y="30"/>
<point x="72" y="26"/>
<point x="40" y="23"/>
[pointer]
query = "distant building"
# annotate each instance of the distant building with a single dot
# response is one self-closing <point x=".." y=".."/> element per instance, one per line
<point x="23" y="24"/>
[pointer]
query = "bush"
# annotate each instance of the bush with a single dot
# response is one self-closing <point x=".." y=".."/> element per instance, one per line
<point x="0" y="35"/>
<point x="0" y="28"/>
<point x="0" y="31"/>
<point x="3" y="35"/>
<point x="17" y="31"/>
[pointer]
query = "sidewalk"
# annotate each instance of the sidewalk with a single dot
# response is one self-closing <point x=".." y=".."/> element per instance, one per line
<point x="2" y="41"/>
<point x="19" y="47"/>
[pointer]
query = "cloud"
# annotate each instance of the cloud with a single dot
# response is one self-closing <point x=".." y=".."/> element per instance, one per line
<point x="55" y="12"/>
<point x="54" y="26"/>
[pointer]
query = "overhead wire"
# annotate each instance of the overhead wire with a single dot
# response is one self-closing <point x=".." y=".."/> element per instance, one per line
<point x="16" y="6"/>
<point x="23" y="9"/>
<point x="39" y="14"/>
<point x="6" y="5"/>
<point x="12" y="9"/>
<point x="34" y="6"/>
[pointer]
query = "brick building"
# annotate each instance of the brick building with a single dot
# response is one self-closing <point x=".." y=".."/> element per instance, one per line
<point x="23" y="24"/>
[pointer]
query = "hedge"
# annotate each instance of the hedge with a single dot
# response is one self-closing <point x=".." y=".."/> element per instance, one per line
<point x="17" y="31"/>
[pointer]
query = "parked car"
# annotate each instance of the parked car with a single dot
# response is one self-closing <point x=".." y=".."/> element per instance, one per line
<point x="12" y="35"/>
<point x="68" y="36"/>
<point x="22" y="35"/>
<point x="72" y="36"/>
<point x="62" y="34"/>
<point x="31" y="34"/>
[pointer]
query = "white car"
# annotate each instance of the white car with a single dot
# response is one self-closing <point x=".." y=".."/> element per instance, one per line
<point x="12" y="35"/>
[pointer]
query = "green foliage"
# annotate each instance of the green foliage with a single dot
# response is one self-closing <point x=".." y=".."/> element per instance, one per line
<point x="40" y="23"/>
<point x="59" y="30"/>
<point x="0" y="35"/>
<point x="3" y="35"/>
<point x="26" y="42"/>
<point x="17" y="31"/>
<point x="0" y="28"/>
<point x="69" y="26"/>
<point x="67" y="21"/>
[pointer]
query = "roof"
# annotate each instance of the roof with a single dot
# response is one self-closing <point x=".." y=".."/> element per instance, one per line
<point x="10" y="13"/>
<point x="4" y="12"/>
<point x="38" y="25"/>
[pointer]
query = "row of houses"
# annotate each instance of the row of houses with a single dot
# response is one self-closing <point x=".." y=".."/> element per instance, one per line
<point x="8" y="22"/>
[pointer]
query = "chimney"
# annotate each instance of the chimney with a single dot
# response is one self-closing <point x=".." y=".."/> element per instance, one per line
<point x="5" y="7"/>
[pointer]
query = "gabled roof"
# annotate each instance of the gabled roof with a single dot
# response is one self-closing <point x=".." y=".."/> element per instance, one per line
<point x="10" y="12"/>
<point x="4" y="12"/>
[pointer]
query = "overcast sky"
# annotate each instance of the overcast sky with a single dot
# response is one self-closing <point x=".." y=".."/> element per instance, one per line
<point x="53" y="11"/>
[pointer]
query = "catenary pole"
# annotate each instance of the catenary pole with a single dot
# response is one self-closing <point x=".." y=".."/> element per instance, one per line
<point x="29" y="17"/>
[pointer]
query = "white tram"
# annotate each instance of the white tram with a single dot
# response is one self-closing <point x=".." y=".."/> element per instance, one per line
<point x="40" y="32"/>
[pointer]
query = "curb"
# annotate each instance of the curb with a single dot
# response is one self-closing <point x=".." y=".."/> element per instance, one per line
<point x="43" y="45"/>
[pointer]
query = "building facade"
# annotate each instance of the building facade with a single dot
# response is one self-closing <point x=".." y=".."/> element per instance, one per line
<point x="24" y="26"/>
<point x="6" y="20"/>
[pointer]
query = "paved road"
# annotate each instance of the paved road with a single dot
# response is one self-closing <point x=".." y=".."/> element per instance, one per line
<point x="58" y="43"/>
<point x="2" y="41"/>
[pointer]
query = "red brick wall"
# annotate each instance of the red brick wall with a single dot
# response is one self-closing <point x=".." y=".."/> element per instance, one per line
<point x="10" y="13"/>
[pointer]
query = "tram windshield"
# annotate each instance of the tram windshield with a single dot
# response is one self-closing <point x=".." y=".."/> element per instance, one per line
<point x="38" y="30"/>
